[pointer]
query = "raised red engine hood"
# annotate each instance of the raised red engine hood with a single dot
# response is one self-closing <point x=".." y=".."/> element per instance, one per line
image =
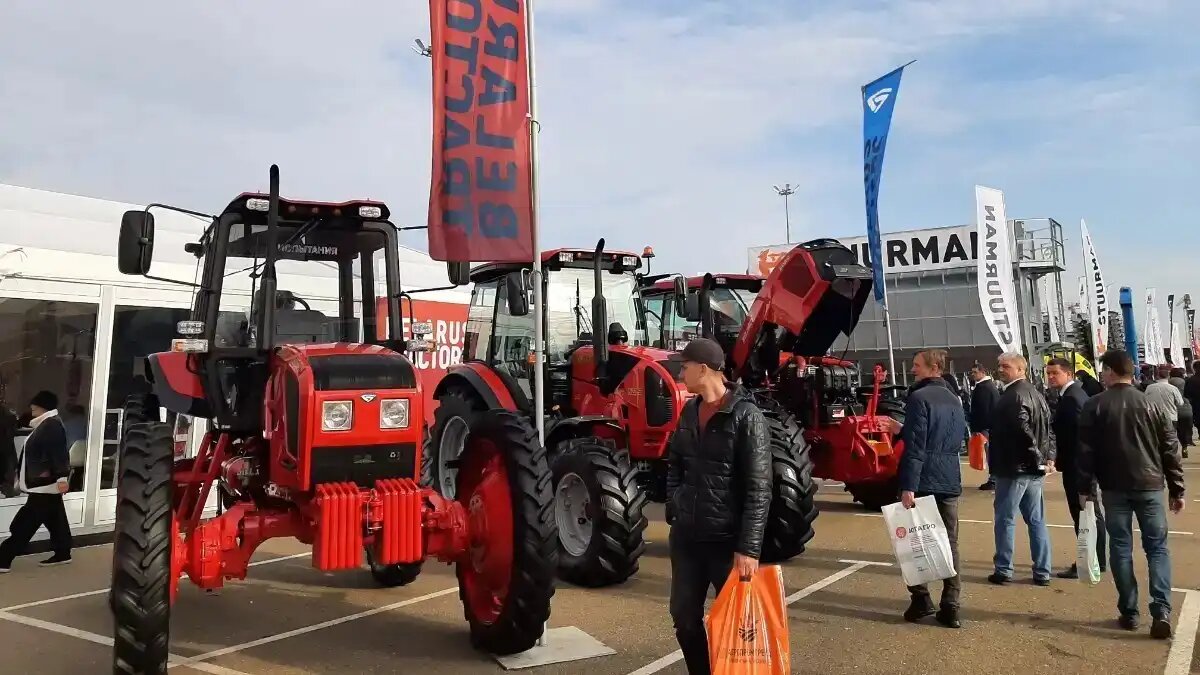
<point x="815" y="293"/>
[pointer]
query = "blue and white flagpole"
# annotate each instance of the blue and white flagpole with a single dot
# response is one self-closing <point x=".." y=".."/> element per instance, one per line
<point x="879" y="100"/>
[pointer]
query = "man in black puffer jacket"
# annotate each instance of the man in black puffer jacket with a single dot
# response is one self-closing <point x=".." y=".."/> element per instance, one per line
<point x="718" y="492"/>
<point x="934" y="425"/>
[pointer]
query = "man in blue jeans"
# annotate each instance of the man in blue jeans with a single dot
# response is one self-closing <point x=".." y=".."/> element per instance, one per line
<point x="1130" y="448"/>
<point x="1022" y="455"/>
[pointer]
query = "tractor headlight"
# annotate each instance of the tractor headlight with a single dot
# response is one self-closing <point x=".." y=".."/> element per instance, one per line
<point x="393" y="414"/>
<point x="337" y="415"/>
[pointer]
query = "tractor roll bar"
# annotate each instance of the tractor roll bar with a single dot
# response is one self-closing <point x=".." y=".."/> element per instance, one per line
<point x="599" y="318"/>
<point x="270" y="283"/>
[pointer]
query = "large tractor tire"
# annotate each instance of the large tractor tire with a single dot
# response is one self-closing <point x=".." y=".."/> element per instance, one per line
<point x="598" y="511"/>
<point x="506" y="580"/>
<point x="793" y="490"/>
<point x="391" y="576"/>
<point x="875" y="495"/>
<point x="457" y="413"/>
<point x="143" y="581"/>
<point x="138" y="409"/>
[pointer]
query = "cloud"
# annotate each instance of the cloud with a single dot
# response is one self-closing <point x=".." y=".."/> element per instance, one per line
<point x="664" y="123"/>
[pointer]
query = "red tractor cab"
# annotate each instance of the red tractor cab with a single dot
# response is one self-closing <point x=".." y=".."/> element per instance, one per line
<point x="777" y="332"/>
<point x="314" y="432"/>
<point x="611" y="402"/>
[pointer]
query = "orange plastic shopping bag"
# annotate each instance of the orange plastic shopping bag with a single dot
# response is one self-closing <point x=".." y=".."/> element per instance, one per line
<point x="977" y="452"/>
<point x="747" y="627"/>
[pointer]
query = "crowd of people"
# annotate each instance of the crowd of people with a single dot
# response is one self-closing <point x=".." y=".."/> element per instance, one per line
<point x="1117" y="445"/>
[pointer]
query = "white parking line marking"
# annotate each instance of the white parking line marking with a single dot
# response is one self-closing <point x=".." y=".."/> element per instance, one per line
<point x="855" y="566"/>
<point x="1179" y="661"/>
<point x="99" y="591"/>
<point x="105" y="641"/>
<point x="193" y="660"/>
<point x="988" y="522"/>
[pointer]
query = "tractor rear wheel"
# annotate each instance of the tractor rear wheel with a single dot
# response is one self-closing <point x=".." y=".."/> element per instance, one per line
<point x="875" y="495"/>
<point x="793" y="509"/>
<point x="391" y="576"/>
<point x="598" y="510"/>
<point x="506" y="578"/>
<point x="456" y="415"/>
<point x="143" y="583"/>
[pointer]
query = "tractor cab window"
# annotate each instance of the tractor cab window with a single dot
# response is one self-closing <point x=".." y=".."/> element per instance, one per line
<point x="512" y="343"/>
<point x="654" y="320"/>
<point x="569" y="295"/>
<point x="326" y="291"/>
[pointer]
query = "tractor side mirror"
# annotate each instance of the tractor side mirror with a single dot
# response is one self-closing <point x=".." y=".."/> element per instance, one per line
<point x="135" y="248"/>
<point x="518" y="301"/>
<point x="681" y="297"/>
<point x="459" y="273"/>
<point x="692" y="307"/>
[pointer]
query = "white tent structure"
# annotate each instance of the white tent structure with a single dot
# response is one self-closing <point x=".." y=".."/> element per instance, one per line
<point x="72" y="324"/>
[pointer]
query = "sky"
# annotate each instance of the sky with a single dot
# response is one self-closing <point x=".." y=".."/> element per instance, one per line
<point x="664" y="123"/>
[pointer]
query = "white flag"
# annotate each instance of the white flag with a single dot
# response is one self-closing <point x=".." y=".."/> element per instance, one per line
<point x="995" y="281"/>
<point x="1097" y="294"/>
<point x="1176" y="346"/>
<point x="1154" y="344"/>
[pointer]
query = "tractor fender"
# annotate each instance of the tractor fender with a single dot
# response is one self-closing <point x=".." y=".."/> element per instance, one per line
<point x="478" y="377"/>
<point x="175" y="380"/>
<point x="566" y="428"/>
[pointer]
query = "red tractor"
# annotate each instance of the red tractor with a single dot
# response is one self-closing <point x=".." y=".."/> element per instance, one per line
<point x="611" y="405"/>
<point x="315" y="432"/>
<point x="777" y="333"/>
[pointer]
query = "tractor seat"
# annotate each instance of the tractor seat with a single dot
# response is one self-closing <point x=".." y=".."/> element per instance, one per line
<point x="303" y="326"/>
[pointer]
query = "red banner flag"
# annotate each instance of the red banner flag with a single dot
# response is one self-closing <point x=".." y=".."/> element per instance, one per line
<point x="480" y="197"/>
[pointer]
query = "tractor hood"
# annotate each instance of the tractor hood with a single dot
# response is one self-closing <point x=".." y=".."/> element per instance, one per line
<point x="814" y="294"/>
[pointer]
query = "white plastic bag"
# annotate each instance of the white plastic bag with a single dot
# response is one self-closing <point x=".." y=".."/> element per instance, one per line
<point x="1087" y="561"/>
<point x="920" y="541"/>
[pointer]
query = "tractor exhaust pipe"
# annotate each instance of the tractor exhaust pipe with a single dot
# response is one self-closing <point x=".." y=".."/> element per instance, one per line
<point x="266" y="327"/>
<point x="599" y="318"/>
<point x="706" y="318"/>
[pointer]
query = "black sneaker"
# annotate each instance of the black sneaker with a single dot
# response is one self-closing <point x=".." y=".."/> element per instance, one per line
<point x="1000" y="579"/>
<point x="1128" y="622"/>
<point x="1160" y="629"/>
<point x="918" y="609"/>
<point x="948" y="617"/>
<point x="1070" y="573"/>
<point x="990" y="485"/>
<point x="56" y="560"/>
<point x="1042" y="582"/>
<point x="5" y="569"/>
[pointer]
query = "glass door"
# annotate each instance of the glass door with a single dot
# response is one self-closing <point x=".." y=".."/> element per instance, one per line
<point x="46" y="345"/>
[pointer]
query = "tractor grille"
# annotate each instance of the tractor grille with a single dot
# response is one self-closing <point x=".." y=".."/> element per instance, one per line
<point x="341" y="372"/>
<point x="363" y="464"/>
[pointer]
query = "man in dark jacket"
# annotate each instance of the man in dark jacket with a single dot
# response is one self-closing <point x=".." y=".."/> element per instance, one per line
<point x="43" y="476"/>
<point x="1186" y="422"/>
<point x="1191" y="387"/>
<point x="8" y="452"/>
<point x="984" y="396"/>
<point x="1071" y="398"/>
<point x="718" y="492"/>
<point x="1129" y="447"/>
<point x="1022" y="455"/>
<point x="933" y="429"/>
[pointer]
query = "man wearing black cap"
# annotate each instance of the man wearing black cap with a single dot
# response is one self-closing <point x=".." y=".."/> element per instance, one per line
<point x="43" y="477"/>
<point x="718" y="492"/>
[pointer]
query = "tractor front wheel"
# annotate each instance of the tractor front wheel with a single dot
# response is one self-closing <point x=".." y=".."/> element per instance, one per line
<point x="793" y="508"/>
<point x="598" y="510"/>
<point x="876" y="494"/>
<point x="506" y="578"/>
<point x="143" y="581"/>
<point x="391" y="576"/>
<point x="445" y="443"/>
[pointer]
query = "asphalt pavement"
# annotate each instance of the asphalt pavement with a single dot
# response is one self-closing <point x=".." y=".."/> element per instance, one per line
<point x="846" y="600"/>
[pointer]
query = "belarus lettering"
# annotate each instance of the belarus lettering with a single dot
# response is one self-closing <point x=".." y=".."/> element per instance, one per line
<point x="485" y="166"/>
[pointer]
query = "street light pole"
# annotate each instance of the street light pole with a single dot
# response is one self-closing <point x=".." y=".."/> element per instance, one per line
<point x="786" y="191"/>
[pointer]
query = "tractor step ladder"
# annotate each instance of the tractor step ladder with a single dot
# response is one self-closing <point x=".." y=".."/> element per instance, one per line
<point x="557" y="645"/>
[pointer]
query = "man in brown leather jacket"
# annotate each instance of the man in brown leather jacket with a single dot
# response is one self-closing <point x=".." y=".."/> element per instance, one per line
<point x="1129" y="447"/>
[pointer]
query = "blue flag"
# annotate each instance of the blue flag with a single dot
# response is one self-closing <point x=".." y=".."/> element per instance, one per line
<point x="879" y="99"/>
